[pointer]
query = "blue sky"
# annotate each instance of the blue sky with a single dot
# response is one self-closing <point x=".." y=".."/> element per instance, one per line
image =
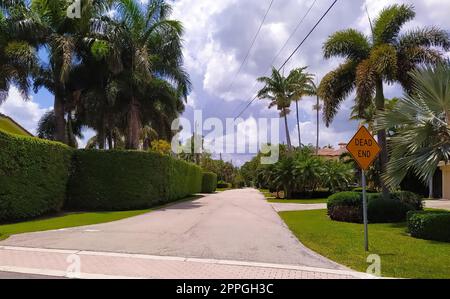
<point x="217" y="37"/>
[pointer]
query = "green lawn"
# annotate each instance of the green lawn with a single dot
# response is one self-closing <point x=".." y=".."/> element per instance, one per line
<point x="401" y="255"/>
<point x="65" y="221"/>
<point x="300" y="201"/>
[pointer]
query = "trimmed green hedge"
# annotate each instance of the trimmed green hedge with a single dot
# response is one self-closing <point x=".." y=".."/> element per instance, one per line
<point x="347" y="207"/>
<point x="209" y="184"/>
<point x="430" y="225"/>
<point x="125" y="180"/>
<point x="33" y="176"/>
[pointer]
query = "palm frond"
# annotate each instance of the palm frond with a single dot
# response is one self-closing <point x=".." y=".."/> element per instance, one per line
<point x="390" y="21"/>
<point x="335" y="87"/>
<point x="349" y="44"/>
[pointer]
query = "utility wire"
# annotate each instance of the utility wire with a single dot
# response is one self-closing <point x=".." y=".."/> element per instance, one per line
<point x="285" y="44"/>
<point x="251" y="45"/>
<point x="295" y="51"/>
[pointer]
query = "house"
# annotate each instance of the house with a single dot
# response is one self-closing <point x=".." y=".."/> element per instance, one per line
<point x="8" y="125"/>
<point x="332" y="153"/>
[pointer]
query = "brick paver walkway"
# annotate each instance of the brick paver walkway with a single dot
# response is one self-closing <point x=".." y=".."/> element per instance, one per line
<point x="64" y="263"/>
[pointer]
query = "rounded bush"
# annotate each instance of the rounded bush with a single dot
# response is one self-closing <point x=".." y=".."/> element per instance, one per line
<point x="209" y="183"/>
<point x="223" y="185"/>
<point x="430" y="225"/>
<point x="347" y="207"/>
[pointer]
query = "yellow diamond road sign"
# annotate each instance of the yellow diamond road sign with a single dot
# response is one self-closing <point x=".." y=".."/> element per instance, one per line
<point x="364" y="148"/>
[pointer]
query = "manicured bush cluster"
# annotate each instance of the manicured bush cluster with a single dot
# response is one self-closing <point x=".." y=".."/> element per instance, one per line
<point x="223" y="185"/>
<point x="430" y="225"/>
<point x="209" y="184"/>
<point x="347" y="207"/>
<point x="124" y="180"/>
<point x="33" y="176"/>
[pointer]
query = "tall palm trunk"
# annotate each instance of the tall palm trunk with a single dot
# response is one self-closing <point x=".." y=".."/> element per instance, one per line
<point x="134" y="125"/>
<point x="288" y="136"/>
<point x="298" y="126"/>
<point x="382" y="140"/>
<point x="60" y="122"/>
<point x="318" y="124"/>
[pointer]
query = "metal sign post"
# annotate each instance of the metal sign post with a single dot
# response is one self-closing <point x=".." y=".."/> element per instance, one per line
<point x="364" y="149"/>
<point x="366" y="221"/>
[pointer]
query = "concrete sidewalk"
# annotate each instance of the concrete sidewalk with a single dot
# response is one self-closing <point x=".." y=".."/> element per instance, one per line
<point x="104" y="265"/>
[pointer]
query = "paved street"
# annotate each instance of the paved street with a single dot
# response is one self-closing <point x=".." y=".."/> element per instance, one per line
<point x="236" y="225"/>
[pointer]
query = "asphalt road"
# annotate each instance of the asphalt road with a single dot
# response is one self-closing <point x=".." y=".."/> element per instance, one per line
<point x="234" y="225"/>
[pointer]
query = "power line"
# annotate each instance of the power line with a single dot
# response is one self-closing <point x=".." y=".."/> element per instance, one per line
<point x="295" y="51"/>
<point x="285" y="44"/>
<point x="310" y="32"/>
<point x="251" y="45"/>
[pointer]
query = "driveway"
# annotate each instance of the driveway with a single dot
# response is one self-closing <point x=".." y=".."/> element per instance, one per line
<point x="234" y="225"/>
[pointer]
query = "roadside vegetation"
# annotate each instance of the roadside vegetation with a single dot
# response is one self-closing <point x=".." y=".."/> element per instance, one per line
<point x="401" y="255"/>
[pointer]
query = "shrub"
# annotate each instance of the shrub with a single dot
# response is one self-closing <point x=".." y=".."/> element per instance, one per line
<point x="223" y="185"/>
<point x="347" y="207"/>
<point x="125" y="180"/>
<point x="430" y="225"/>
<point x="209" y="183"/>
<point x="360" y="189"/>
<point x="33" y="176"/>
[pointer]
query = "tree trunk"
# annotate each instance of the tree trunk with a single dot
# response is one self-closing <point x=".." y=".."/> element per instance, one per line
<point x="298" y="126"/>
<point x="60" y="122"/>
<point x="71" y="139"/>
<point x="382" y="139"/>
<point x="134" y="125"/>
<point x="110" y="140"/>
<point x="288" y="136"/>
<point x="101" y="137"/>
<point x="318" y="123"/>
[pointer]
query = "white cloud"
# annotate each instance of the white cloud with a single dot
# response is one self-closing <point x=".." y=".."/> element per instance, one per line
<point x="26" y="113"/>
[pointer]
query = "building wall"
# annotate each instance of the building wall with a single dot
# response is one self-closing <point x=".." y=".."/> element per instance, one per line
<point x="445" y="181"/>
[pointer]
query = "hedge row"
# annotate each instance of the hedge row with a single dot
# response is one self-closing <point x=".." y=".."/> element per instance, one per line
<point x="209" y="184"/>
<point x="430" y="225"/>
<point x="123" y="180"/>
<point x="33" y="176"/>
<point x="39" y="177"/>
<point x="347" y="207"/>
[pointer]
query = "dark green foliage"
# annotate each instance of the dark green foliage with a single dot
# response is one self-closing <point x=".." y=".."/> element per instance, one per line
<point x="33" y="176"/>
<point x="209" y="184"/>
<point x="430" y="225"/>
<point x="222" y="185"/>
<point x="347" y="207"/>
<point x="125" y="180"/>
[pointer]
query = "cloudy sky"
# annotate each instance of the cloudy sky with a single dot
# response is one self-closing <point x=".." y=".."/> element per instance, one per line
<point x="217" y="38"/>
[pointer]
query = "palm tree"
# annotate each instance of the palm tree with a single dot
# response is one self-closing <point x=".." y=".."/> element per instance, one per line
<point x="387" y="56"/>
<point x="301" y="84"/>
<point x="422" y="119"/>
<point x="318" y="108"/>
<point x="141" y="45"/>
<point x="17" y="54"/>
<point x="276" y="90"/>
<point x="46" y="23"/>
